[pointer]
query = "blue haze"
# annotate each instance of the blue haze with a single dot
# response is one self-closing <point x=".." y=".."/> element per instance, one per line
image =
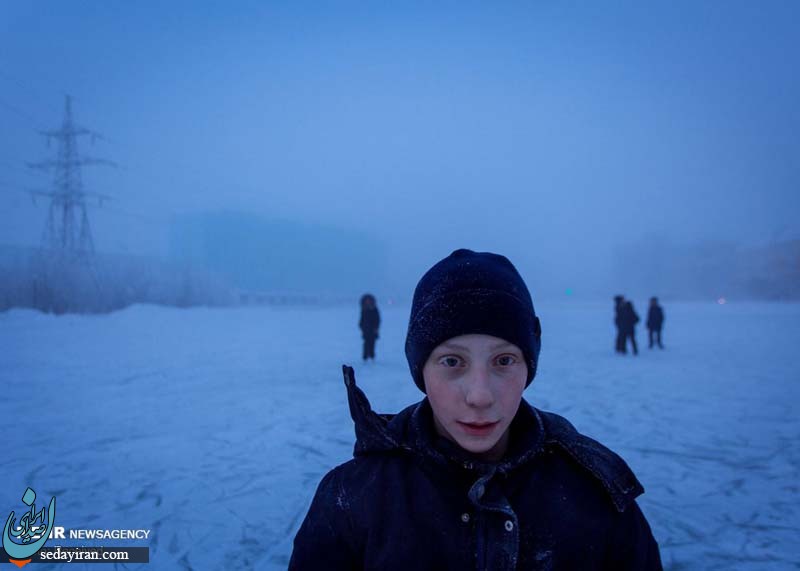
<point x="556" y="133"/>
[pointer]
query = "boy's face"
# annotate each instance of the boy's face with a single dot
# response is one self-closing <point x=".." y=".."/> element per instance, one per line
<point x="474" y="384"/>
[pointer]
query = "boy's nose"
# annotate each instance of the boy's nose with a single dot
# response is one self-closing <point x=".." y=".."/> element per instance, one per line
<point x="479" y="391"/>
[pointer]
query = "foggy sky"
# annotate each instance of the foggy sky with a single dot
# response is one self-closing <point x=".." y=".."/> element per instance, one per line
<point x="550" y="132"/>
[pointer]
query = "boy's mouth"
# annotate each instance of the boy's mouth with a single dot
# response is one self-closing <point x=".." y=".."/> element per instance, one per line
<point x="477" y="428"/>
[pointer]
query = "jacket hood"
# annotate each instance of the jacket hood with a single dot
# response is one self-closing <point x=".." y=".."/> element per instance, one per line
<point x="411" y="431"/>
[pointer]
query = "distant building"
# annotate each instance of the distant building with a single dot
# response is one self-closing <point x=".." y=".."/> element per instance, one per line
<point x="771" y="271"/>
<point x="709" y="270"/>
<point x="256" y="254"/>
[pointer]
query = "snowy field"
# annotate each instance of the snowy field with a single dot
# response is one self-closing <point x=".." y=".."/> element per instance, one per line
<point x="212" y="427"/>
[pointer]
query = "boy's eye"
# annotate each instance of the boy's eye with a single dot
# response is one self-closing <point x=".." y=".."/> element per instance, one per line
<point x="450" y="361"/>
<point x="506" y="360"/>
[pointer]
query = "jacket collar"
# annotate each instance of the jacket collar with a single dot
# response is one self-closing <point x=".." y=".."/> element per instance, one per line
<point x="532" y="431"/>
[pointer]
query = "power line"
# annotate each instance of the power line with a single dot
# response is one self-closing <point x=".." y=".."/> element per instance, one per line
<point x="35" y="124"/>
<point x="138" y="172"/>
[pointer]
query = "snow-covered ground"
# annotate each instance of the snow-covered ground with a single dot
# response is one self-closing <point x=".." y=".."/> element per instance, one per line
<point x="212" y="427"/>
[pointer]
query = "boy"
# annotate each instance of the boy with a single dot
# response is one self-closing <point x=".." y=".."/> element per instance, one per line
<point x="473" y="477"/>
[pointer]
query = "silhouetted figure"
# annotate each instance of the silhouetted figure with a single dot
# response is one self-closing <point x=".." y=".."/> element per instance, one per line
<point x="655" y="320"/>
<point x="369" y="324"/>
<point x="628" y="319"/>
<point x="620" y="342"/>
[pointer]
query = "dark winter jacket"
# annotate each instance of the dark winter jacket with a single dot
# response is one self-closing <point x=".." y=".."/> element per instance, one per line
<point x="412" y="501"/>
<point x="618" y="303"/>
<point x="628" y="318"/>
<point x="655" y="317"/>
<point x="370" y="322"/>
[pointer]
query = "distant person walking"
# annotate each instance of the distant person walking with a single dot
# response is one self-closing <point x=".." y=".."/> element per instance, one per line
<point x="620" y="341"/>
<point x="628" y="320"/>
<point x="655" y="321"/>
<point x="369" y="323"/>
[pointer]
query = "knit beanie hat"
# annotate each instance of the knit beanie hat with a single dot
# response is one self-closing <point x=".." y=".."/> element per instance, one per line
<point x="471" y="292"/>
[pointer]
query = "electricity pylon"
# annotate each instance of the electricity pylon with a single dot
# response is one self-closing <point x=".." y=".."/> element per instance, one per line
<point x="67" y="229"/>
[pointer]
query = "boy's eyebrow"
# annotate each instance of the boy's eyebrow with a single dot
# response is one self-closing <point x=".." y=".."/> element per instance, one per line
<point x="449" y="345"/>
<point x="458" y="347"/>
<point x="502" y="345"/>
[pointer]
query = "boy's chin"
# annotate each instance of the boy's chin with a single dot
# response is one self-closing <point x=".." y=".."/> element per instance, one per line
<point x="477" y="446"/>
